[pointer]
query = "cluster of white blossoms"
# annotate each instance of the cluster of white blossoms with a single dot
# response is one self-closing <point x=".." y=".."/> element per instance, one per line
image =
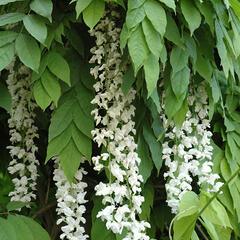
<point x="114" y="131"/>
<point x="188" y="152"/>
<point x="22" y="134"/>
<point x="70" y="203"/>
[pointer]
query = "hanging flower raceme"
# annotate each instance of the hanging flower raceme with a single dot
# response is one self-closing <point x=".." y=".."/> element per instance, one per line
<point x="188" y="152"/>
<point x="70" y="203"/>
<point x="115" y="129"/>
<point x="22" y="134"/>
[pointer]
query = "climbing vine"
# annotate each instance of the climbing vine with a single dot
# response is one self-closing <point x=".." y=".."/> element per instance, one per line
<point x="119" y="119"/>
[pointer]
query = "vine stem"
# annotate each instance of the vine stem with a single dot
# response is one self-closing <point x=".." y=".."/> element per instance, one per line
<point x="205" y="206"/>
<point x="44" y="209"/>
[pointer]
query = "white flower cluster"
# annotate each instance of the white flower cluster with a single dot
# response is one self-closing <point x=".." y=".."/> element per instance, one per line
<point x="22" y="133"/>
<point x="115" y="129"/>
<point x="188" y="152"/>
<point x="70" y="203"/>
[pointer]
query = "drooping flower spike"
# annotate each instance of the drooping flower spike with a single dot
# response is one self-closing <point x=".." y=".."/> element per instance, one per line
<point x="22" y="132"/>
<point x="188" y="152"/>
<point x="115" y="131"/>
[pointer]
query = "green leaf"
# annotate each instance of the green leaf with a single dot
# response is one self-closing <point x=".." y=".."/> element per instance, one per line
<point x="217" y="232"/>
<point x="93" y="13"/>
<point x="215" y="212"/>
<point x="172" y="32"/>
<point x="189" y="204"/>
<point x="156" y="15"/>
<point x="4" y="2"/>
<point x="84" y="97"/>
<point x="152" y="37"/>
<point x="7" y="37"/>
<point x="226" y="61"/>
<point x="148" y="193"/>
<point x="146" y="165"/>
<point x="124" y="37"/>
<point x="20" y="227"/>
<point x="81" y="5"/>
<point x="41" y="96"/>
<point x="191" y="14"/>
<point x="180" y="81"/>
<point x="28" y="51"/>
<point x="194" y="236"/>
<point x="51" y="85"/>
<point x="14" y="205"/>
<point x="185" y="220"/>
<point x="8" y="230"/>
<point x="155" y="98"/>
<point x="83" y="143"/>
<point x="191" y="47"/>
<point x="5" y="98"/>
<point x="183" y="229"/>
<point x="133" y="4"/>
<point x="203" y="67"/>
<point x="210" y="229"/>
<point x="70" y="121"/>
<point x="128" y="80"/>
<point x="152" y="70"/>
<point x="172" y="104"/>
<point x="164" y="56"/>
<point x="229" y="125"/>
<point x="6" y="55"/>
<point x="61" y="118"/>
<point x="180" y="116"/>
<point x="207" y="11"/>
<point x="216" y="91"/>
<point x="57" y="144"/>
<point x="43" y="8"/>
<point x="70" y="159"/>
<point x="82" y="121"/>
<point x="10" y="18"/>
<point x="169" y="3"/>
<point x="134" y="17"/>
<point x="236" y="7"/>
<point x="42" y="67"/>
<point x="138" y="48"/>
<point x="35" y="27"/>
<point x="36" y="229"/>
<point x="154" y="146"/>
<point x="59" y="66"/>
<point x="76" y="41"/>
<point x="178" y="59"/>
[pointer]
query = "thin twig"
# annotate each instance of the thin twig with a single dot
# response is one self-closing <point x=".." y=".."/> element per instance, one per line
<point x="44" y="209"/>
<point x="201" y="231"/>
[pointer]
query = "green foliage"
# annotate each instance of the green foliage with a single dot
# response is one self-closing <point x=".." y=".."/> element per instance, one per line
<point x="93" y="12"/>
<point x="58" y="66"/>
<point x="28" y="51"/>
<point x="7" y="37"/>
<point x="69" y="131"/>
<point x="5" y="98"/>
<point x="9" y="18"/>
<point x="43" y="8"/>
<point x="187" y="216"/>
<point x="17" y="227"/>
<point x="6" y="55"/>
<point x="35" y="27"/>
<point x="168" y="46"/>
<point x="191" y="14"/>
